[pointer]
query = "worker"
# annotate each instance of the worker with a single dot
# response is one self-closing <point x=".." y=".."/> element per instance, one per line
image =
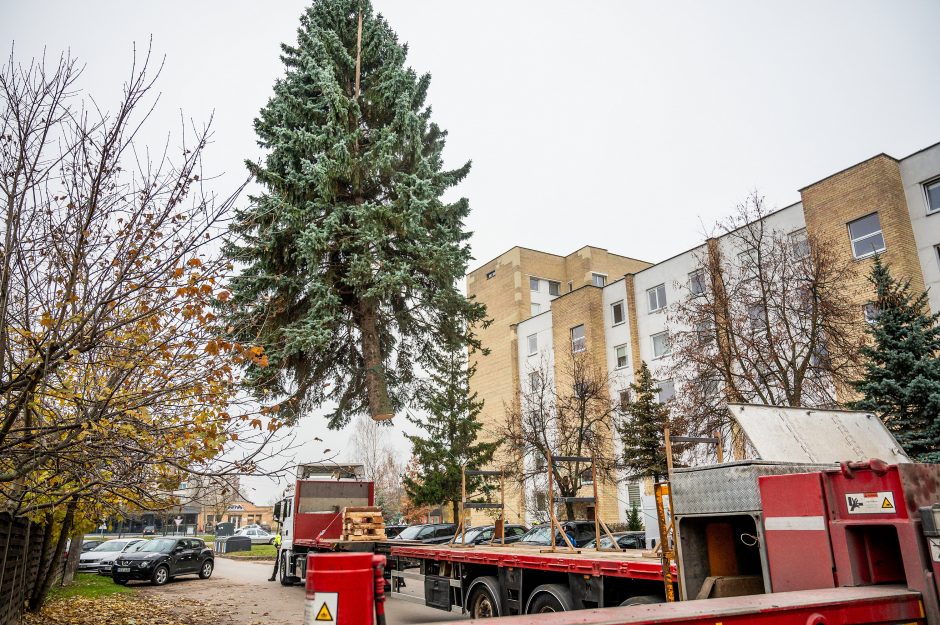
<point x="277" y="557"/>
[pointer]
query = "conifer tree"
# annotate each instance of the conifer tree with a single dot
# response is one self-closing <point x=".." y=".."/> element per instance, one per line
<point x="902" y="369"/>
<point x="634" y="519"/>
<point x="644" y="453"/>
<point x="451" y="427"/>
<point x="349" y="258"/>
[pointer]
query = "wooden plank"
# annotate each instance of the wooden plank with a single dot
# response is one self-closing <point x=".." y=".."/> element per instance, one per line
<point x="374" y="509"/>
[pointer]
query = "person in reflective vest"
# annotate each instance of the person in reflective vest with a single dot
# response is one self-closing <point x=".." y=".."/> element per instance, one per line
<point x="277" y="558"/>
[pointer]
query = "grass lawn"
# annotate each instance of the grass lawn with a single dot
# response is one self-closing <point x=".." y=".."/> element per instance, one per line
<point x="89" y="585"/>
<point x="257" y="551"/>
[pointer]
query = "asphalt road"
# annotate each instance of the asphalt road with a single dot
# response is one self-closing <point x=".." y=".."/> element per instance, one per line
<point x="240" y="594"/>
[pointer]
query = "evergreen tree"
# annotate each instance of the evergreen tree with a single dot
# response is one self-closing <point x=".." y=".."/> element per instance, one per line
<point x="349" y="258"/>
<point x="902" y="369"/>
<point x="452" y="426"/>
<point x="644" y="453"/>
<point x="634" y="519"/>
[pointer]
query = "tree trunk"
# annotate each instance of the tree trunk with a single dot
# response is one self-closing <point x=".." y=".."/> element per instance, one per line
<point x="54" y="565"/>
<point x="71" y="564"/>
<point x="380" y="405"/>
<point x="569" y="510"/>
<point x="456" y="509"/>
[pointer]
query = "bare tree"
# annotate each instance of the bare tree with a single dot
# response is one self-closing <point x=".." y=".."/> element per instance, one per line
<point x="764" y="320"/>
<point x="381" y="464"/>
<point x="115" y="381"/>
<point x="571" y="416"/>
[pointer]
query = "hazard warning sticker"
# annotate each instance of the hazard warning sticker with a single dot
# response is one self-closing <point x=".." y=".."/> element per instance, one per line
<point x="321" y="608"/>
<point x="881" y="502"/>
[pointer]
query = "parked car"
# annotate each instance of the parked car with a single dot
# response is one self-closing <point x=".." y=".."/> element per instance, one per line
<point x="427" y="531"/>
<point x="162" y="559"/>
<point x="481" y="534"/>
<point x="391" y="531"/>
<point x="91" y="560"/>
<point x="150" y="530"/>
<point x="266" y="527"/>
<point x="257" y="535"/>
<point x="625" y="540"/>
<point x="579" y="533"/>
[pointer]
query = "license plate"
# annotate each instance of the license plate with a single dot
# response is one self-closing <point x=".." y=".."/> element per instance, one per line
<point x="124" y="569"/>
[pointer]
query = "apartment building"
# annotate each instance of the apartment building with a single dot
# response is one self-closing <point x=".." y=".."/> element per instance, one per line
<point x="614" y="306"/>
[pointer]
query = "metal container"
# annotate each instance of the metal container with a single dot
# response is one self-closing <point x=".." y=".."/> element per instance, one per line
<point x="727" y="488"/>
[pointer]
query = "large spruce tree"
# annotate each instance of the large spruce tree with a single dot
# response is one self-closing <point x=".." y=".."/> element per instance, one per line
<point x="642" y="429"/>
<point x="349" y="258"/>
<point x="902" y="369"/>
<point x="451" y="429"/>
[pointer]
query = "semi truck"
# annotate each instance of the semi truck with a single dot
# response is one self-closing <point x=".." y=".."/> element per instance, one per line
<point x="311" y="519"/>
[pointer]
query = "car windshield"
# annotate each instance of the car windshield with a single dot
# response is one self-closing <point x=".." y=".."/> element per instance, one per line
<point x="163" y="545"/>
<point x="112" y="545"/>
<point x="410" y="533"/>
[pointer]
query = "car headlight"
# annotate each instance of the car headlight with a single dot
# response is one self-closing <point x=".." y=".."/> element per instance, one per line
<point x="143" y="564"/>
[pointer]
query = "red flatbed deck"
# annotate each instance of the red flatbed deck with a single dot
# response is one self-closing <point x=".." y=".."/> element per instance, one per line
<point x="630" y="563"/>
<point x="866" y="605"/>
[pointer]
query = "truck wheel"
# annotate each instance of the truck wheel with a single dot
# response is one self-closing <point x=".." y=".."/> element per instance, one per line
<point x="549" y="598"/>
<point x="484" y="598"/>
<point x="643" y="600"/>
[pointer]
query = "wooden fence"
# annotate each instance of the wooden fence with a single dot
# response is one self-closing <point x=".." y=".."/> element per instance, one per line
<point x="20" y="545"/>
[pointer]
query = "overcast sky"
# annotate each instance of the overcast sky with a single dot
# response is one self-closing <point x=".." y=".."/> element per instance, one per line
<point x="625" y="125"/>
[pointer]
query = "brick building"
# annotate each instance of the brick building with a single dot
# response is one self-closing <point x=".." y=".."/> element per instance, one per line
<point x="613" y="306"/>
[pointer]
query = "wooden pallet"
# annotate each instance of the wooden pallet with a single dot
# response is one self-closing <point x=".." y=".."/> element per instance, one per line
<point x="363" y="523"/>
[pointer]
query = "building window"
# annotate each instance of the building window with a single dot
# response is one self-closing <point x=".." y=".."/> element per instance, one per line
<point x="554" y="288"/>
<point x="866" y="236"/>
<point x="703" y="331"/>
<point x="617" y="310"/>
<point x="490" y="274"/>
<point x="541" y="501"/>
<point x="799" y="244"/>
<point x="533" y="342"/>
<point x="696" y="282"/>
<point x="656" y="297"/>
<point x="624" y="400"/>
<point x="534" y="284"/>
<point x="570" y="286"/>
<point x="932" y="191"/>
<point x="577" y="339"/>
<point x="598" y="279"/>
<point x="534" y="380"/>
<point x="536" y="308"/>
<point x="621" y="351"/>
<point x="870" y="310"/>
<point x="660" y="344"/>
<point x="667" y="390"/>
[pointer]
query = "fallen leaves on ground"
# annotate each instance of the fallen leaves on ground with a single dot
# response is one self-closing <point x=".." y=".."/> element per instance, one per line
<point x="123" y="610"/>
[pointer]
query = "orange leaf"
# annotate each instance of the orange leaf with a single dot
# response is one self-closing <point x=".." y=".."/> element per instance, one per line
<point x="194" y="262"/>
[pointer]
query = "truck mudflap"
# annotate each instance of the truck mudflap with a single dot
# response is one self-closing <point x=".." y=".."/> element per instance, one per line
<point x="868" y="605"/>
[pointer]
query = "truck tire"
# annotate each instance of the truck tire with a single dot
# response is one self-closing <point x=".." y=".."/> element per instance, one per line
<point x="549" y="598"/>
<point x="643" y="600"/>
<point x="484" y="598"/>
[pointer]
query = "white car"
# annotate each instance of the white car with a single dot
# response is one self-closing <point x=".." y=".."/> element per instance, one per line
<point x="257" y="535"/>
<point x="100" y="559"/>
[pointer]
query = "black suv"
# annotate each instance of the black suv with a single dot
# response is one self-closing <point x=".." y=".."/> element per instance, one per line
<point x="482" y="534"/>
<point x="161" y="559"/>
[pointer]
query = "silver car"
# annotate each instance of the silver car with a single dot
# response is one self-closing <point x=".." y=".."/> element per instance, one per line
<point x="100" y="559"/>
<point x="258" y="536"/>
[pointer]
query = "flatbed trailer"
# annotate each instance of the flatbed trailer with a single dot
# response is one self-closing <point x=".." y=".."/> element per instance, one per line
<point x="486" y="581"/>
<point x="868" y="605"/>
